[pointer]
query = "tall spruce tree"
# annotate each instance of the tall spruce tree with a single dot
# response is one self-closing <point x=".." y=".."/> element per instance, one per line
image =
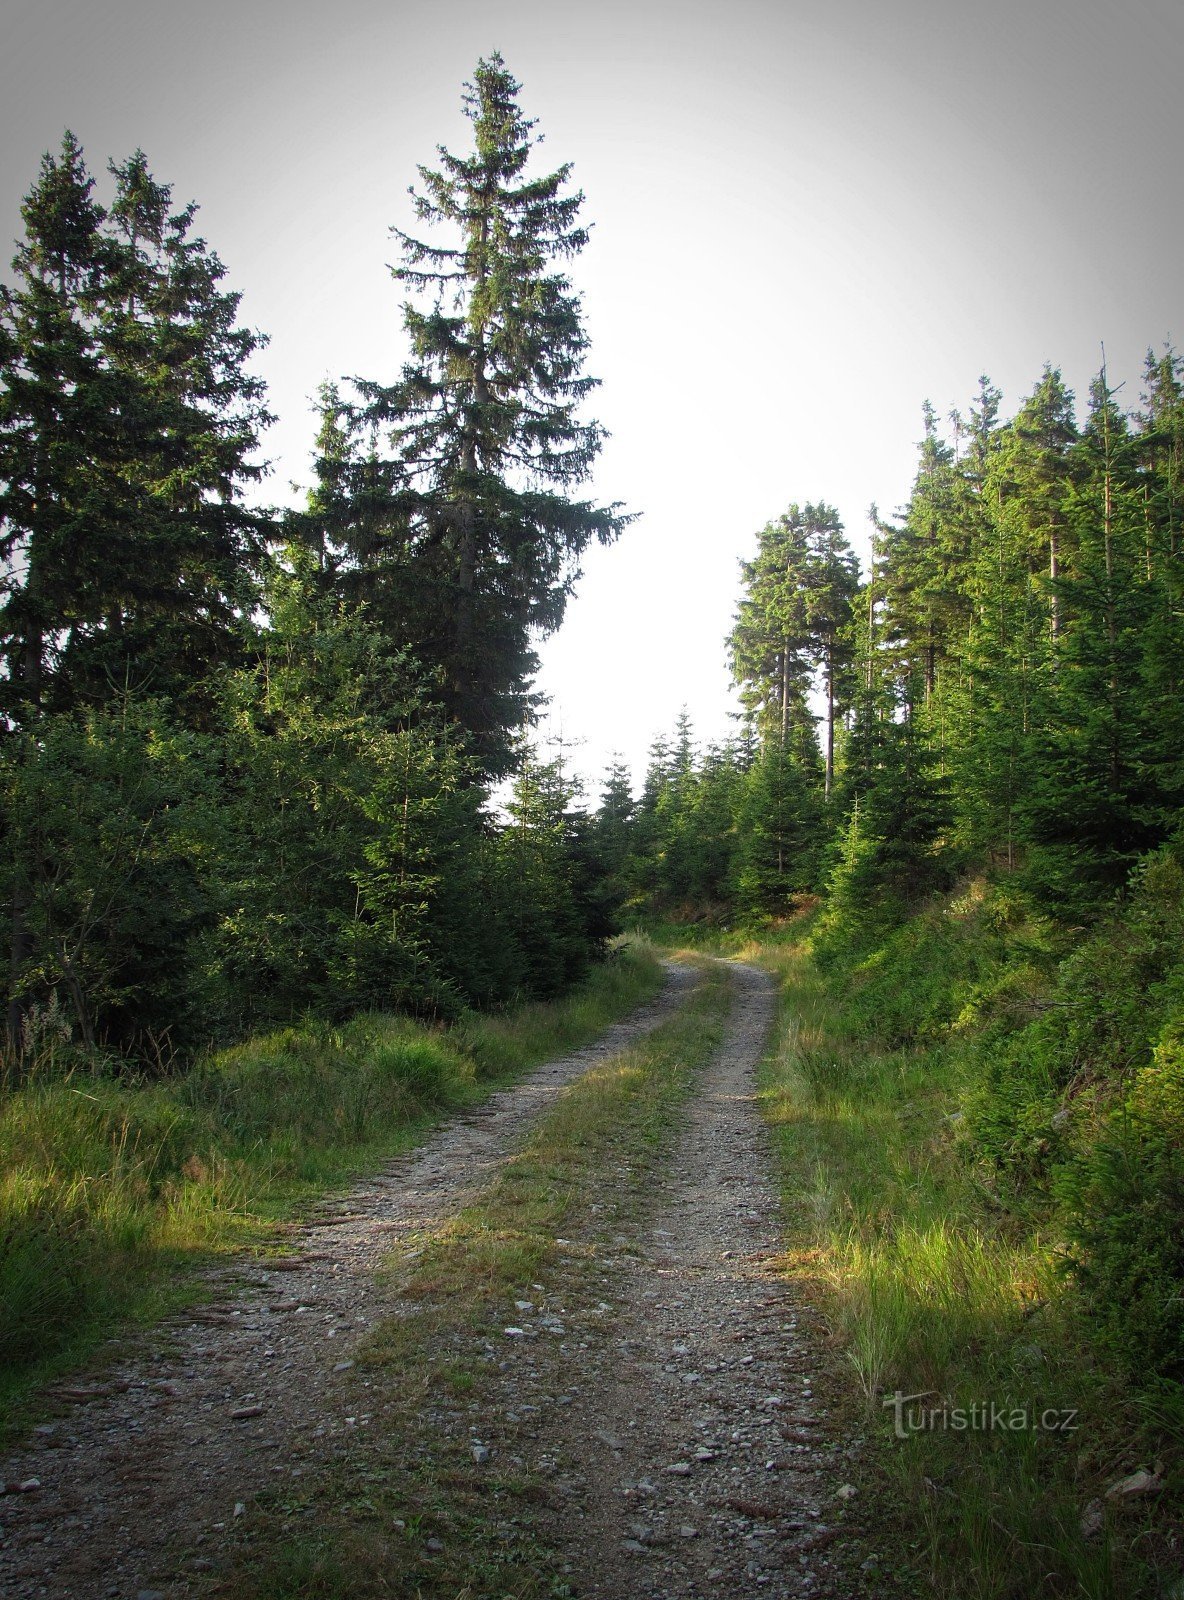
<point x="480" y="442"/>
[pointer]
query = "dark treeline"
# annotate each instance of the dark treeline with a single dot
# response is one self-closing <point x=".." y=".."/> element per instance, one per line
<point x="246" y="758"/>
<point x="966" y="762"/>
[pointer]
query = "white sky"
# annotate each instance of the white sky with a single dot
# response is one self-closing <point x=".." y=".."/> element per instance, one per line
<point x="806" y="220"/>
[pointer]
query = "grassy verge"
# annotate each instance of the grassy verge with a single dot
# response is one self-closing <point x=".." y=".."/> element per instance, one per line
<point x="413" y="1507"/>
<point x="937" y="1287"/>
<point x="114" y="1192"/>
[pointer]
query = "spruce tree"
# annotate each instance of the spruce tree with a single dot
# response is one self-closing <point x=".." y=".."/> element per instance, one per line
<point x="769" y="645"/>
<point x="55" y="449"/>
<point x="479" y="442"/>
<point x="128" y="422"/>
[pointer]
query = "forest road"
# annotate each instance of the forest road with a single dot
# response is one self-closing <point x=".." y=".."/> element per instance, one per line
<point x="699" y="1460"/>
<point x="682" y="1445"/>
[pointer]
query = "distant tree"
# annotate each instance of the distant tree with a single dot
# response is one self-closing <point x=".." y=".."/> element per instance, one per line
<point x="833" y="581"/>
<point x="769" y="645"/>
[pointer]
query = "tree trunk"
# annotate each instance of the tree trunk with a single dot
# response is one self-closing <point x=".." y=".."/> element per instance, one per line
<point x="830" y="721"/>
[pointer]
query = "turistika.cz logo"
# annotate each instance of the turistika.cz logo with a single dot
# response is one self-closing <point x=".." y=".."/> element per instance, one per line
<point x="980" y="1416"/>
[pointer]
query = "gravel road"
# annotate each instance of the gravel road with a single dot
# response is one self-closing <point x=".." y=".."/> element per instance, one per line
<point x="685" y="1447"/>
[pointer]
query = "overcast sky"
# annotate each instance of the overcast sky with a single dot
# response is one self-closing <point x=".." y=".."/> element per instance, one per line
<point x="807" y="220"/>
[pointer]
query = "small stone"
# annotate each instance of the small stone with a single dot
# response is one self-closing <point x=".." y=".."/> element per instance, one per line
<point x="481" y="1454"/>
<point x="434" y="1545"/>
<point x="678" y="1469"/>
<point x="202" y="1564"/>
<point x="1141" y="1482"/>
<point x="514" y="1333"/>
<point x="703" y="1454"/>
<point x="847" y="1492"/>
<point x="687" y="1532"/>
<point x="524" y="1305"/>
<point x="240" y="1509"/>
<point x="343" y="1366"/>
<point x="241" y="1413"/>
<point x="1092" y="1519"/>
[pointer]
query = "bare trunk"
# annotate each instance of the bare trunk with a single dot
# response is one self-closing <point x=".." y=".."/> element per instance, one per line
<point x="77" y="999"/>
<point x="830" y="723"/>
<point x="784" y="694"/>
<point x="20" y="949"/>
<point x="21" y="942"/>
<point x="1111" y="621"/>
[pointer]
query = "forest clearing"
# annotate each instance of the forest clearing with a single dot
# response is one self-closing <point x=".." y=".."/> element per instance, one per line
<point x="418" y="1181"/>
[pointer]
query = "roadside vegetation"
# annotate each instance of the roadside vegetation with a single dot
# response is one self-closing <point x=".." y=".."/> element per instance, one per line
<point x="115" y="1189"/>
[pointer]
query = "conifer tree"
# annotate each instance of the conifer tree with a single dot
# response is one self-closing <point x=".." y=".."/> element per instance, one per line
<point x="480" y="542"/>
<point x="53" y="458"/>
<point x="833" y="577"/>
<point x="128" y="422"/>
<point x="769" y="645"/>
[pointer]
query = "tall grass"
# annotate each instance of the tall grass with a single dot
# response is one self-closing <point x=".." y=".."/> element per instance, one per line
<point x="936" y="1286"/>
<point x="112" y="1190"/>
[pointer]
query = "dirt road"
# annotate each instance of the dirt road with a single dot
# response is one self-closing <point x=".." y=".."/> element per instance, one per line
<point x="681" y="1436"/>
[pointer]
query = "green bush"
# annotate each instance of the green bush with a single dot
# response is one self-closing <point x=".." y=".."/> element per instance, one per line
<point x="1125" y="1203"/>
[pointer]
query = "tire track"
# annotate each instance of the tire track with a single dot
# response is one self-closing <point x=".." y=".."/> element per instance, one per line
<point x="693" y="1461"/>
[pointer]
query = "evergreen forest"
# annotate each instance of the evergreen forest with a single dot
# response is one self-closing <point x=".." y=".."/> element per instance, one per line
<point x="269" y="790"/>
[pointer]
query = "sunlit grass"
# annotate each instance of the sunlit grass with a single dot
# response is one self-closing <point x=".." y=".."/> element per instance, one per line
<point x="932" y="1287"/>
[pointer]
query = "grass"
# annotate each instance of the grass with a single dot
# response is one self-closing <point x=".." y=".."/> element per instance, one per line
<point x="933" y="1286"/>
<point x="115" y="1192"/>
<point x="362" y="1524"/>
